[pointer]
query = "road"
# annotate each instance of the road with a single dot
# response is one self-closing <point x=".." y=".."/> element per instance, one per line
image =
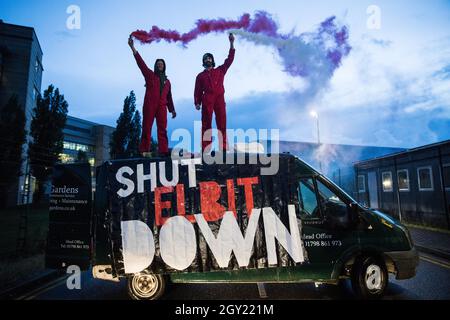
<point x="431" y="282"/>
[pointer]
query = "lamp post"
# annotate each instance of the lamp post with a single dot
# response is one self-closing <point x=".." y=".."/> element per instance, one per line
<point x="314" y="114"/>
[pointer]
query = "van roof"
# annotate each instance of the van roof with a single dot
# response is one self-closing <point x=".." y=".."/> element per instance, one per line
<point x="303" y="168"/>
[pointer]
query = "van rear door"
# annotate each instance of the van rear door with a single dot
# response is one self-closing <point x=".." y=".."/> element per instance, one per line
<point x="69" y="239"/>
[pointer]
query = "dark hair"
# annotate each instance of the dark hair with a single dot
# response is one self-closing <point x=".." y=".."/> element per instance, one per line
<point x="204" y="58"/>
<point x="164" y="69"/>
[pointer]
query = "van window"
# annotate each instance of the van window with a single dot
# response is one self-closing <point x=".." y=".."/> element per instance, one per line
<point x="309" y="208"/>
<point x="331" y="203"/>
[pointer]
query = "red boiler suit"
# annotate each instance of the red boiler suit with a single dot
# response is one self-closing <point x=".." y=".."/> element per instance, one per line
<point x="155" y="106"/>
<point x="209" y="92"/>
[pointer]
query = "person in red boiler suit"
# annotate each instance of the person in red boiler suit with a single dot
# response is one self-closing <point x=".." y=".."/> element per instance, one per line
<point x="158" y="98"/>
<point x="209" y="94"/>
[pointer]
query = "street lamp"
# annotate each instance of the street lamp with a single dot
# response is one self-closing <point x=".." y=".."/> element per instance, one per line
<point x="314" y="114"/>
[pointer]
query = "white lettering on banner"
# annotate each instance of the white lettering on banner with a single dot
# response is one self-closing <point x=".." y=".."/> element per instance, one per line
<point x="141" y="177"/>
<point x="138" y="246"/>
<point x="163" y="176"/>
<point x="230" y="238"/>
<point x="191" y="170"/>
<point x="178" y="243"/>
<point x="128" y="182"/>
<point x="274" y="228"/>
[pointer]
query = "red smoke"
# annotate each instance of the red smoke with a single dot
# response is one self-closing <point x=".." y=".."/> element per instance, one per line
<point x="261" y="23"/>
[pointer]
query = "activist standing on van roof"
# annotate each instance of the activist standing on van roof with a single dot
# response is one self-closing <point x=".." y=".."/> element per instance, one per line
<point x="209" y="93"/>
<point x="158" y="98"/>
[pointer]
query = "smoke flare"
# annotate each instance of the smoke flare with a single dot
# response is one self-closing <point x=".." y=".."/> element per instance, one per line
<point x="313" y="56"/>
<point x="261" y="23"/>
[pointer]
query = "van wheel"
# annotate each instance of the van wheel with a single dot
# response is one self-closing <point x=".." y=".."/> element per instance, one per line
<point x="369" y="278"/>
<point x="146" y="286"/>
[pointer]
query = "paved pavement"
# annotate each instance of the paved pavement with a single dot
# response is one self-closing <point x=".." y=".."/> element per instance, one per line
<point x="430" y="283"/>
<point x="430" y="241"/>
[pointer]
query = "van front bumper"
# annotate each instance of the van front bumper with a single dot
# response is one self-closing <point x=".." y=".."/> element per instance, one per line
<point x="406" y="263"/>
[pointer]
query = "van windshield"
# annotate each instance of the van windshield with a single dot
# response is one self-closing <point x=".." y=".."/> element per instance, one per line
<point x="344" y="196"/>
<point x="305" y="168"/>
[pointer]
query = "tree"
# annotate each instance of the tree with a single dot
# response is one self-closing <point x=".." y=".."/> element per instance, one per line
<point x="47" y="124"/>
<point x="82" y="157"/>
<point x="126" y="137"/>
<point x="134" y="136"/>
<point x="12" y="138"/>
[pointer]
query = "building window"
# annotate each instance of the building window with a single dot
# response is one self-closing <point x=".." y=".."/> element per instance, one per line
<point x="77" y="146"/>
<point x="446" y="173"/>
<point x="361" y="183"/>
<point x="74" y="128"/>
<point x="35" y="93"/>
<point x="403" y="180"/>
<point x="37" y="65"/>
<point x="425" y="178"/>
<point x="387" y="181"/>
<point x="66" y="158"/>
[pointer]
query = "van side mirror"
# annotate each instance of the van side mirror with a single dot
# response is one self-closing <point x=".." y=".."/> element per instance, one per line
<point x="353" y="209"/>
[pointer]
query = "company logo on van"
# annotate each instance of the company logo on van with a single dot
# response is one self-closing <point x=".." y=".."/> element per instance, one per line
<point x="64" y="190"/>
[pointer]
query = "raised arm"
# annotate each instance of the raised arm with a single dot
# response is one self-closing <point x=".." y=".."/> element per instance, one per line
<point x="140" y="62"/>
<point x="230" y="58"/>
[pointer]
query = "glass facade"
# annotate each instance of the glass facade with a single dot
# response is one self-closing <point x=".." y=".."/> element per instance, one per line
<point x="66" y="158"/>
<point x="78" y="146"/>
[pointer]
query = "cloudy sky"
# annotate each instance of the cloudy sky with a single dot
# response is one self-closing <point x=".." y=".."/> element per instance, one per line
<point x="393" y="89"/>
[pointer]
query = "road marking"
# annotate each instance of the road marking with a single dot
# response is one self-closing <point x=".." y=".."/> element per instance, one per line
<point x="262" y="290"/>
<point x="436" y="262"/>
<point x="42" y="289"/>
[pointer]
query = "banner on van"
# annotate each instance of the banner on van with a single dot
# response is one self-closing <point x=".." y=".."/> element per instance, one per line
<point x="182" y="215"/>
<point x="69" y="235"/>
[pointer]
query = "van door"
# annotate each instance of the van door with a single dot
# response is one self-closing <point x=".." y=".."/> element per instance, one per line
<point x="325" y="242"/>
<point x="69" y="240"/>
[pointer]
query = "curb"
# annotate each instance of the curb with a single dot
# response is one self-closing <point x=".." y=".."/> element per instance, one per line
<point x="429" y="229"/>
<point x="20" y="289"/>
<point x="436" y="252"/>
